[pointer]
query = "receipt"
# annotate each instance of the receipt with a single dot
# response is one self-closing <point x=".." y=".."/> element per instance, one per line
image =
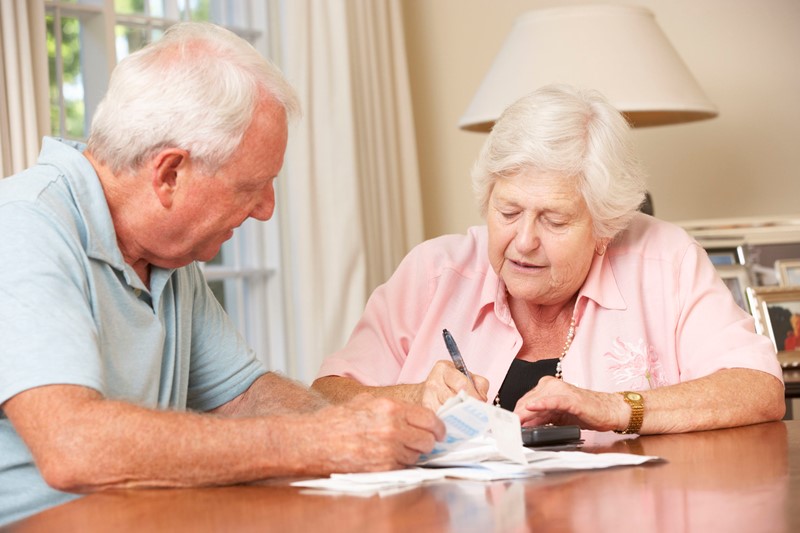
<point x="468" y="420"/>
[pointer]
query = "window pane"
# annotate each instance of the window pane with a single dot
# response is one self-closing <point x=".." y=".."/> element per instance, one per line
<point x="238" y="14"/>
<point x="195" y="9"/>
<point x="129" y="39"/>
<point x="218" y="259"/>
<point x="226" y="254"/>
<point x="156" y="8"/>
<point x="55" y="88"/>
<point x="64" y="62"/>
<point x="153" y="8"/>
<point x="129" y="6"/>
<point x="218" y="288"/>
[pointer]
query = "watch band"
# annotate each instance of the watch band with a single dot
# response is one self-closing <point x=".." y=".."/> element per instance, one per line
<point x="636" y="401"/>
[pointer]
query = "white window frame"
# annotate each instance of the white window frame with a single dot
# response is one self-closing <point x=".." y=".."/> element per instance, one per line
<point x="252" y="258"/>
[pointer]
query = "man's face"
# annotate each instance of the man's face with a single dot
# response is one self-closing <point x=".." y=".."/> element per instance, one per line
<point x="207" y="208"/>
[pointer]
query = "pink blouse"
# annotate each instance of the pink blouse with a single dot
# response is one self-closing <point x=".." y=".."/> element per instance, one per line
<point x="652" y="312"/>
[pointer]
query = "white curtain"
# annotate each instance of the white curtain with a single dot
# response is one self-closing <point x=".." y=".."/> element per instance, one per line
<point x="23" y="84"/>
<point x="350" y="201"/>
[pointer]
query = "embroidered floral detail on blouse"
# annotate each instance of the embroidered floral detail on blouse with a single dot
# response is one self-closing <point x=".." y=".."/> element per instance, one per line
<point x="636" y="365"/>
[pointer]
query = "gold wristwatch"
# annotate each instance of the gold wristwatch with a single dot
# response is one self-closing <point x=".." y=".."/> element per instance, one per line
<point x="636" y="401"/>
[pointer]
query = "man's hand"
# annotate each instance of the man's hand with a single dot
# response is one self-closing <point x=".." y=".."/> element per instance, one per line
<point x="444" y="381"/>
<point x="369" y="434"/>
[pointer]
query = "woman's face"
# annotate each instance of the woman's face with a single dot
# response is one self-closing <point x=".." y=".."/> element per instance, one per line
<point x="541" y="242"/>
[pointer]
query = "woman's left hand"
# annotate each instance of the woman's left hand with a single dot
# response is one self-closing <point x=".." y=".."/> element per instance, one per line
<point x="554" y="402"/>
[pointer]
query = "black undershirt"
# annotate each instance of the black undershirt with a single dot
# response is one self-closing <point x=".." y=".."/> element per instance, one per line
<point x="522" y="377"/>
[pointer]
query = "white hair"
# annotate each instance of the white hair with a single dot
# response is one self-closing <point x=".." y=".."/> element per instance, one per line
<point x="196" y="88"/>
<point x="574" y="133"/>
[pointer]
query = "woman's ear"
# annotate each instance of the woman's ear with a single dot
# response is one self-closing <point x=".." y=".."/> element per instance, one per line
<point x="601" y="245"/>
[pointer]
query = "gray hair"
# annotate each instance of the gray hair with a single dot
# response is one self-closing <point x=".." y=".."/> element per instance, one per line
<point x="575" y="133"/>
<point x="196" y="88"/>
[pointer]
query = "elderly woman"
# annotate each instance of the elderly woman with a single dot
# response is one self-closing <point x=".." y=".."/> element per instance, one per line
<point x="570" y="306"/>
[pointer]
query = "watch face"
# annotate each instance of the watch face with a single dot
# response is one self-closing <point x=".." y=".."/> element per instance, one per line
<point x="634" y="396"/>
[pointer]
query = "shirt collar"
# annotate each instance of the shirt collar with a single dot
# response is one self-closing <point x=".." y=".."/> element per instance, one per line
<point x="493" y="297"/>
<point x="90" y="200"/>
<point x="600" y="285"/>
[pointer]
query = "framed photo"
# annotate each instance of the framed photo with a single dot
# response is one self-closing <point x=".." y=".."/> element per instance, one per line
<point x="726" y="256"/>
<point x="761" y="259"/>
<point x="737" y="280"/>
<point x="777" y="314"/>
<point x="788" y="271"/>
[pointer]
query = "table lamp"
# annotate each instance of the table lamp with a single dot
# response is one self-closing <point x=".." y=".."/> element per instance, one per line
<point x="618" y="50"/>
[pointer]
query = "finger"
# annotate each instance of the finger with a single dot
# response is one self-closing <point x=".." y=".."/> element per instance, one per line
<point x="442" y="363"/>
<point x="388" y="456"/>
<point x="456" y="381"/>
<point x="425" y="419"/>
<point x="416" y="431"/>
<point x="441" y="387"/>
<point x="409" y="456"/>
<point x="529" y="407"/>
<point x="472" y="388"/>
<point x="560" y="403"/>
<point x="419" y="441"/>
<point x="482" y="386"/>
<point x="435" y="394"/>
<point x="527" y="418"/>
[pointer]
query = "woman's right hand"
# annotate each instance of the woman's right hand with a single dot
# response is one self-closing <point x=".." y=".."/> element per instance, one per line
<point x="444" y="381"/>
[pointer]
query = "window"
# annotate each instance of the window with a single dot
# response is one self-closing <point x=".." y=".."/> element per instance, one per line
<point x="85" y="39"/>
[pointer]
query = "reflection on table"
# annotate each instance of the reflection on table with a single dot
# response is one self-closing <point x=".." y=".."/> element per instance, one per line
<point x="741" y="479"/>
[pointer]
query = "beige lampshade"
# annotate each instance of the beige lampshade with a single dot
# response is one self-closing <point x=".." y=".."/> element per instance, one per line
<point x="618" y="50"/>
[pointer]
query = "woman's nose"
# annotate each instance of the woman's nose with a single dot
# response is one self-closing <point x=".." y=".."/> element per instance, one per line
<point x="527" y="238"/>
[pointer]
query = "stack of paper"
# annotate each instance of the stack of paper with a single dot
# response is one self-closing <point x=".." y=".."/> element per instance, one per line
<point x="483" y="443"/>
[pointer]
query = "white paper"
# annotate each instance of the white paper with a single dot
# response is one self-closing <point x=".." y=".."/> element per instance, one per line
<point x="540" y="463"/>
<point x="549" y="461"/>
<point x="484" y="443"/>
<point x="370" y="483"/>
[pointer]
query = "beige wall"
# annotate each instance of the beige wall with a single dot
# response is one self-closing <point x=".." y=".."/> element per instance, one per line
<point x="744" y="53"/>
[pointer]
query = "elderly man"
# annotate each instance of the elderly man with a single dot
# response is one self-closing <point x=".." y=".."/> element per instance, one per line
<point x="119" y="367"/>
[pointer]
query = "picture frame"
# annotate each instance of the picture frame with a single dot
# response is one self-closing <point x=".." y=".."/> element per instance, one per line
<point x="762" y="256"/>
<point x="737" y="279"/>
<point x="721" y="256"/>
<point x="776" y="311"/>
<point x="788" y="271"/>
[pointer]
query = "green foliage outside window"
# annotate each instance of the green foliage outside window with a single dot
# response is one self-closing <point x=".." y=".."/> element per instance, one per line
<point x="72" y="81"/>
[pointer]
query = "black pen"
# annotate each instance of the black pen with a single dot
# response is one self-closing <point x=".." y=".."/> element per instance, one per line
<point x="455" y="355"/>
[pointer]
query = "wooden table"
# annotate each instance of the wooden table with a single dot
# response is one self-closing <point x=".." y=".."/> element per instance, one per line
<point x="744" y="479"/>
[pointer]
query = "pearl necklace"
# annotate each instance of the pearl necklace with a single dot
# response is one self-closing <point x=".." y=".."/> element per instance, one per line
<point x="567" y="344"/>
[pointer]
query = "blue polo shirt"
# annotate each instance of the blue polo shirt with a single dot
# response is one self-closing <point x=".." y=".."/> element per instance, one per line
<point x="73" y="312"/>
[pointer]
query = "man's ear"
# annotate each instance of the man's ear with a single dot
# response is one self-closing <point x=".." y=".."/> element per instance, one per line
<point x="166" y="166"/>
